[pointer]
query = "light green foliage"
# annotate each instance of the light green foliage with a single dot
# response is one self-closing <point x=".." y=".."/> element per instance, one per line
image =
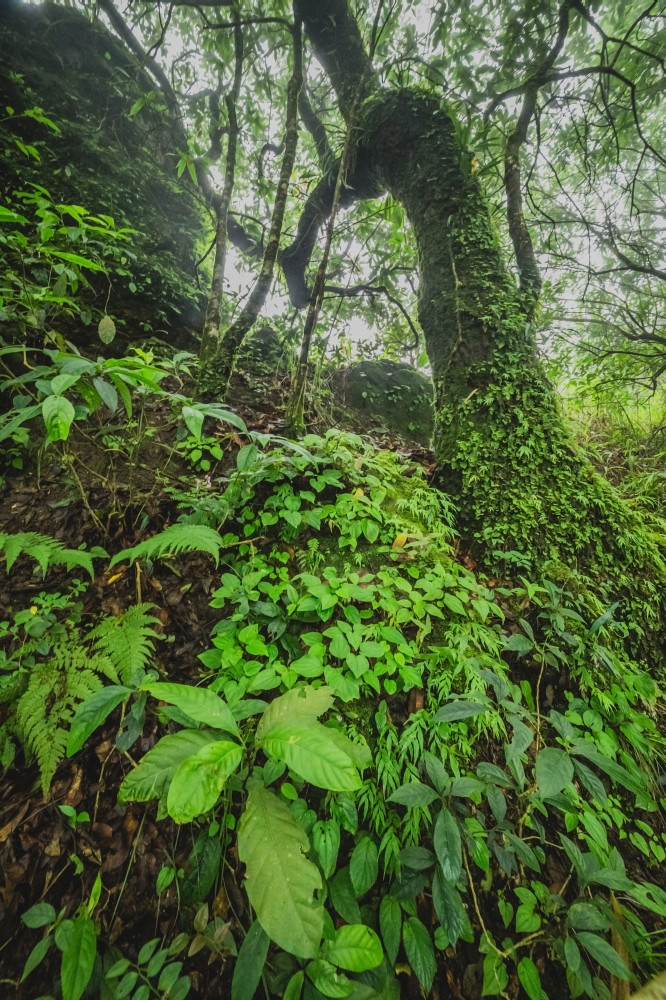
<point x="47" y="551"/>
<point x="128" y="640"/>
<point x="56" y="686"/>
<point x="172" y="541"/>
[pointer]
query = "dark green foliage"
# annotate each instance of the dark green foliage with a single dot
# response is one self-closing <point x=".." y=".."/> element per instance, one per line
<point x="104" y="154"/>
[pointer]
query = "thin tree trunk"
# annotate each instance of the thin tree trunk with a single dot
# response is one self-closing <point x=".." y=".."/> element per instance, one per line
<point x="215" y="373"/>
<point x="210" y="337"/>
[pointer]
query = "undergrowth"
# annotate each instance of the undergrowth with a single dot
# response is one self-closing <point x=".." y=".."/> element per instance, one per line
<point x="486" y="772"/>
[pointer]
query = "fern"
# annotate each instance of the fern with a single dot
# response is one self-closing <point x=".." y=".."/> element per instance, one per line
<point x="46" y="708"/>
<point x="127" y="640"/>
<point x="47" y="551"/>
<point x="172" y="541"/>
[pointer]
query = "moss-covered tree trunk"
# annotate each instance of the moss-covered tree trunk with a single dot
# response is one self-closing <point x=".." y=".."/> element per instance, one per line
<point x="502" y="446"/>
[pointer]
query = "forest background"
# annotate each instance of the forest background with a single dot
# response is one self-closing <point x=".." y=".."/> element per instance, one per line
<point x="288" y="710"/>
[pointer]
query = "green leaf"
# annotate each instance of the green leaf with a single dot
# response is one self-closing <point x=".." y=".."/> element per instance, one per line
<point x="79" y="948"/>
<point x="420" y="952"/>
<point x="152" y="777"/>
<point x="107" y="393"/>
<point x="9" y="215"/>
<point x="604" y="953"/>
<point x="342" y="896"/>
<point x="363" y="868"/>
<point x="58" y="414"/>
<point x="529" y="978"/>
<point x="448" y="845"/>
<point x="355" y="948"/>
<point x="36" y="956"/>
<point x="92" y="712"/>
<point x="106" y="329"/>
<point x="449" y="907"/>
<point x="307" y="749"/>
<point x="457" y="710"/>
<point x="199" y="703"/>
<point x="39" y="915"/>
<point x="294" y="986"/>
<point x="280" y="880"/>
<point x="454" y="604"/>
<point x="587" y="917"/>
<point x="74" y="258"/>
<point x="326" y="842"/>
<point x="518" y="643"/>
<point x="250" y="963"/>
<point x="414" y="793"/>
<point x="390" y="925"/>
<point x="327" y="980"/>
<point x="572" y="954"/>
<point x="554" y="770"/>
<point x="495" y="975"/>
<point x="199" y="780"/>
<point x="296" y="705"/>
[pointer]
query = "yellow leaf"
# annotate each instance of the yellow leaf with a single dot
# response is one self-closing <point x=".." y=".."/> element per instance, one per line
<point x="357" y="494"/>
<point x="399" y="540"/>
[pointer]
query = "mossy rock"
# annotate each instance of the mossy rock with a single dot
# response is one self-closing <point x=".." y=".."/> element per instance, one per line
<point x="391" y="394"/>
<point x="104" y="158"/>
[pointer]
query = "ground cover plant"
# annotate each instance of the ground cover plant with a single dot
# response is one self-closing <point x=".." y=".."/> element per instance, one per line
<point x="287" y="710"/>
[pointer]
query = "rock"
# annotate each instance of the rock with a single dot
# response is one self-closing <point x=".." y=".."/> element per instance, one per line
<point x="390" y="393"/>
<point x="109" y="156"/>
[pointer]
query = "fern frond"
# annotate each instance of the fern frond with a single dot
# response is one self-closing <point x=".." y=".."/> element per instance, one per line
<point x="127" y="640"/>
<point x="172" y="541"/>
<point x="46" y="708"/>
<point x="47" y="551"/>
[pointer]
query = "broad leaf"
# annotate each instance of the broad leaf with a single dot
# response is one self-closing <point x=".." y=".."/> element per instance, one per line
<point x="457" y="710"/>
<point x="554" y="770"/>
<point x="92" y="713"/>
<point x="420" y="952"/>
<point x="306" y="747"/>
<point x="199" y="703"/>
<point x="604" y="953"/>
<point x="448" y="845"/>
<point x="326" y="842"/>
<point x="414" y="793"/>
<point x="296" y="705"/>
<point x="356" y="948"/>
<point x="363" y="868"/>
<point x="327" y="980"/>
<point x="250" y="963"/>
<point x="58" y="414"/>
<point x="390" y="925"/>
<point x="152" y="777"/>
<point x="199" y="780"/>
<point x="529" y="978"/>
<point x="281" y="881"/>
<point x="78" y="942"/>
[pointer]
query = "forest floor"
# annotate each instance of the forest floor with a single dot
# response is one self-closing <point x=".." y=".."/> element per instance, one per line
<point x="97" y="497"/>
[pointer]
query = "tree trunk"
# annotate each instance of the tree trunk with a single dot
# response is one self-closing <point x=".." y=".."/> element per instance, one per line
<point x="525" y="494"/>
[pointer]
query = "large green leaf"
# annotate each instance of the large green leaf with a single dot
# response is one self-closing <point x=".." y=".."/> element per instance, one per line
<point x="554" y="771"/>
<point x="281" y="881"/>
<point x="414" y="793"/>
<point x="92" y="713"/>
<point x="198" y="781"/>
<point x="364" y="866"/>
<point x="199" y="703"/>
<point x="77" y="939"/>
<point x="58" y="414"/>
<point x="307" y="749"/>
<point x="604" y="953"/>
<point x="355" y="948"/>
<point x="420" y="951"/>
<point x="296" y="705"/>
<point x="152" y="777"/>
<point x="390" y="924"/>
<point x="448" y="845"/>
<point x="250" y="963"/>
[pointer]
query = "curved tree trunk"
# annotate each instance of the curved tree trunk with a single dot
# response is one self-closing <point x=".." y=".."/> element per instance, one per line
<point x="525" y="494"/>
